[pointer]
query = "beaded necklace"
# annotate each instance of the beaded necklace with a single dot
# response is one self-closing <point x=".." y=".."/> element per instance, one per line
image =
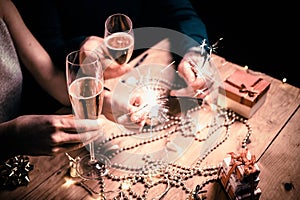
<point x="171" y="174"/>
<point x="161" y="172"/>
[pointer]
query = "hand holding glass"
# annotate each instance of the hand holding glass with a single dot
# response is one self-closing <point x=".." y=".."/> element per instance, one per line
<point x="85" y="86"/>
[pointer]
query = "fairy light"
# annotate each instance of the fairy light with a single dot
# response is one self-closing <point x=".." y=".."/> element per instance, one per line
<point x="68" y="182"/>
<point x="284" y="80"/>
<point x="126" y="185"/>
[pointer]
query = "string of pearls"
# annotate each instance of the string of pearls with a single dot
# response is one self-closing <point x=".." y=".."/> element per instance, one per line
<point x="170" y="174"/>
<point x="173" y="174"/>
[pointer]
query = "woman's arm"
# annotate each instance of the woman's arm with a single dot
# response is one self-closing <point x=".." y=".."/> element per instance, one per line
<point x="33" y="55"/>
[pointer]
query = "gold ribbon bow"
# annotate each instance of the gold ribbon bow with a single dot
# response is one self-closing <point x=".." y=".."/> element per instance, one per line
<point x="241" y="159"/>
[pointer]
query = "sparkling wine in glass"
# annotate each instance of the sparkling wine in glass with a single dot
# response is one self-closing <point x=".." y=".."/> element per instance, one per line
<point x="84" y="75"/>
<point x="119" y="38"/>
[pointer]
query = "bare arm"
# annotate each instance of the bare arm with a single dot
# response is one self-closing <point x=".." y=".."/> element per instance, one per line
<point x="33" y="55"/>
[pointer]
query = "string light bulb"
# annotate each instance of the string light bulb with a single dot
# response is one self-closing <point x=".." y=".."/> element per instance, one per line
<point x="284" y="80"/>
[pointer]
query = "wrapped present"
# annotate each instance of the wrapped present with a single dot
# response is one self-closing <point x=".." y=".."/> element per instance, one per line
<point x="235" y="187"/>
<point x="239" y="174"/>
<point x="255" y="195"/>
<point x="242" y="165"/>
<point x="226" y="164"/>
<point x="250" y="196"/>
<point x="243" y="195"/>
<point x="243" y="174"/>
<point x="243" y="93"/>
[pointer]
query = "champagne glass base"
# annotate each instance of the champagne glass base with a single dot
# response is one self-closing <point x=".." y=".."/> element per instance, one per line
<point x="93" y="169"/>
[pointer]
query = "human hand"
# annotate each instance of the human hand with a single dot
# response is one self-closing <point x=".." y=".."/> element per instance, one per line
<point x="51" y="134"/>
<point x="137" y="112"/>
<point x="113" y="106"/>
<point x="112" y="69"/>
<point x="125" y="111"/>
<point x="194" y="68"/>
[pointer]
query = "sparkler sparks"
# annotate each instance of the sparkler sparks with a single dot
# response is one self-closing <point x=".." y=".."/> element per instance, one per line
<point x="155" y="110"/>
<point x="150" y="84"/>
<point x="215" y="46"/>
<point x="169" y="65"/>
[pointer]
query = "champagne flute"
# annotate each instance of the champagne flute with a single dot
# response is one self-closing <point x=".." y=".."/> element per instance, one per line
<point x="118" y="37"/>
<point x="85" y="80"/>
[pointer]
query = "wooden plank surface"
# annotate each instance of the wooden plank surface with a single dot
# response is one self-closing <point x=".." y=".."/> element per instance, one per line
<point x="44" y="168"/>
<point x="282" y="101"/>
<point x="279" y="162"/>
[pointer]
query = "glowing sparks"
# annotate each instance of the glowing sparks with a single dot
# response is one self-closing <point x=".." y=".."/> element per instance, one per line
<point x="213" y="47"/>
<point x="126" y="185"/>
<point x="202" y="46"/>
<point x="155" y="109"/>
<point x="169" y="65"/>
<point x="200" y="92"/>
<point x="68" y="182"/>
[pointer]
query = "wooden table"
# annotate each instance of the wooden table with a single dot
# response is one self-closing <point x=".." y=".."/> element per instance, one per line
<point x="275" y="143"/>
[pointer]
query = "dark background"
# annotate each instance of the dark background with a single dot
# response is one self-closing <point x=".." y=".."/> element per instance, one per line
<point x="260" y="36"/>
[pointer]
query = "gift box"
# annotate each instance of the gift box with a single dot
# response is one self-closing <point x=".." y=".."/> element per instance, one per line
<point x="245" y="177"/>
<point x="234" y="187"/>
<point x="248" y="196"/>
<point x="239" y="175"/>
<point x="242" y="165"/>
<point x="243" y="92"/>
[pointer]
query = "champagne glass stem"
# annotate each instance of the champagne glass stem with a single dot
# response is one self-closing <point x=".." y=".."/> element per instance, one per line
<point x="92" y="152"/>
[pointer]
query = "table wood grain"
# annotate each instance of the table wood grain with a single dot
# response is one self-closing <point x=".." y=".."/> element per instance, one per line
<point x="275" y="143"/>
